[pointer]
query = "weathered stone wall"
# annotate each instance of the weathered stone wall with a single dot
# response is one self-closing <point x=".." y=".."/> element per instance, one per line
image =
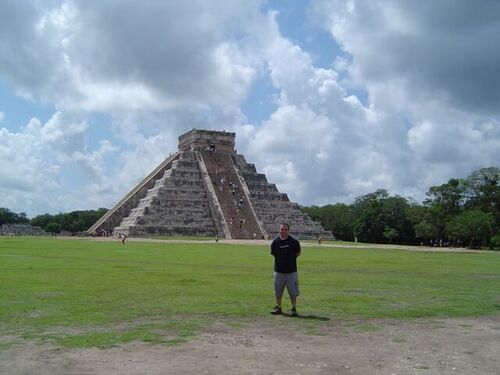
<point x="203" y="140"/>
<point x="122" y="209"/>
<point x="21" y="230"/>
<point x="177" y="204"/>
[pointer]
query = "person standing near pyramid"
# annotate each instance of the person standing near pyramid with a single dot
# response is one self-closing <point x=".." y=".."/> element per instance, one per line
<point x="285" y="249"/>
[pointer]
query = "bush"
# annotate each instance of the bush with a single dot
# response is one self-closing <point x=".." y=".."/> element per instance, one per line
<point x="495" y="242"/>
<point x="53" y="227"/>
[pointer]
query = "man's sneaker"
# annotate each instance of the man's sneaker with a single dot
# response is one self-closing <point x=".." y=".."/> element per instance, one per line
<point x="276" y="310"/>
<point x="293" y="311"/>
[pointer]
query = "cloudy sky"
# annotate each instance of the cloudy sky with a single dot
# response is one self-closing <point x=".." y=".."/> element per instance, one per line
<point x="331" y="99"/>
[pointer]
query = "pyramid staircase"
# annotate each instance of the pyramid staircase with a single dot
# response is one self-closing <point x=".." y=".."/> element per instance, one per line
<point x="233" y="200"/>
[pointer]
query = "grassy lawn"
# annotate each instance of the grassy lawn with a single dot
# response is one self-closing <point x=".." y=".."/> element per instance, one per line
<point x="96" y="293"/>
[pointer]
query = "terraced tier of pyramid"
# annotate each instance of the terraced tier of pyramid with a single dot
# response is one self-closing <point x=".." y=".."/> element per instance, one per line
<point x="207" y="189"/>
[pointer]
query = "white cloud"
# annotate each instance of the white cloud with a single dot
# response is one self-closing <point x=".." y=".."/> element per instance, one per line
<point x="293" y="156"/>
<point x="456" y="145"/>
<point x="321" y="144"/>
<point x="407" y="139"/>
<point x="439" y="48"/>
<point x="432" y="84"/>
<point x="119" y="56"/>
<point x="35" y="162"/>
<point x="159" y="69"/>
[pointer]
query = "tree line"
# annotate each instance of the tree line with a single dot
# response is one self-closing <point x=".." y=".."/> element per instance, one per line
<point x="74" y="222"/>
<point x="463" y="212"/>
<point x="9" y="217"/>
<point x="460" y="212"/>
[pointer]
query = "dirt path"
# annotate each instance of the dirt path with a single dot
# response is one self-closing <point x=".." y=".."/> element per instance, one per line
<point x="274" y="346"/>
<point x="347" y="245"/>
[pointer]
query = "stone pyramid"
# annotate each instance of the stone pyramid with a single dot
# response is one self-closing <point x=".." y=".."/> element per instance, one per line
<point x="207" y="189"/>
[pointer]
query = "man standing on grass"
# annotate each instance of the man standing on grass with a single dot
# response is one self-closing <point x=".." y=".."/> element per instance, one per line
<point x="285" y="249"/>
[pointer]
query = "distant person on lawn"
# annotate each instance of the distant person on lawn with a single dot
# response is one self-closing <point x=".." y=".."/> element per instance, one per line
<point x="285" y="249"/>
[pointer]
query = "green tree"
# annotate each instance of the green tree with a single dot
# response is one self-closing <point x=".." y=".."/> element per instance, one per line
<point x="495" y="242"/>
<point x="6" y="216"/>
<point x="75" y="221"/>
<point x="357" y="229"/>
<point x="77" y="225"/>
<point x="342" y="221"/>
<point x="368" y="211"/>
<point x="390" y="234"/>
<point x="425" y="231"/>
<point x="444" y="202"/>
<point x="482" y="191"/>
<point x="415" y="213"/>
<point x="472" y="226"/>
<point x="43" y="220"/>
<point x="9" y="217"/>
<point x="337" y="218"/>
<point x="374" y="212"/>
<point x="53" y="227"/>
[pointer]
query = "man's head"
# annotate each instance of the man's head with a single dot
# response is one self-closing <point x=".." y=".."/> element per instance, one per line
<point x="284" y="230"/>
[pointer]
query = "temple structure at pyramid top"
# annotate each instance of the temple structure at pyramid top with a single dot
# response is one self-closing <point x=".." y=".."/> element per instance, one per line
<point x="207" y="189"/>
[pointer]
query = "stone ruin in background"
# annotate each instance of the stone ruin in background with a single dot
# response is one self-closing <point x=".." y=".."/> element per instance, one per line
<point x="21" y="230"/>
<point x="207" y="189"/>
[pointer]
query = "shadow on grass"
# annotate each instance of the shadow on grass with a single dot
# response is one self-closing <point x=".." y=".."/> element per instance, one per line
<point x="307" y="317"/>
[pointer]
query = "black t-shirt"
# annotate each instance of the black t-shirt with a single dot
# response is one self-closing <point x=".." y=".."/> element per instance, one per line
<point x="285" y="254"/>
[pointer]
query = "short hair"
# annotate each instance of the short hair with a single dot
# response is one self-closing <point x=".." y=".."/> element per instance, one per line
<point x="285" y="225"/>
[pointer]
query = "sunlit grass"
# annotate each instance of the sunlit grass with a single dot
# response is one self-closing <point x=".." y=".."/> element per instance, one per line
<point x="99" y="293"/>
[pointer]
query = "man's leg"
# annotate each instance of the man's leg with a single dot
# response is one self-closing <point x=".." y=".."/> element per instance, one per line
<point x="279" y="287"/>
<point x="292" y="287"/>
<point x="278" y="301"/>
<point x="277" y="309"/>
<point x="293" y="310"/>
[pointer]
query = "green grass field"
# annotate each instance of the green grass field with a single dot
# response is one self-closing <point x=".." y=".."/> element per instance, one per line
<point x="97" y="293"/>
